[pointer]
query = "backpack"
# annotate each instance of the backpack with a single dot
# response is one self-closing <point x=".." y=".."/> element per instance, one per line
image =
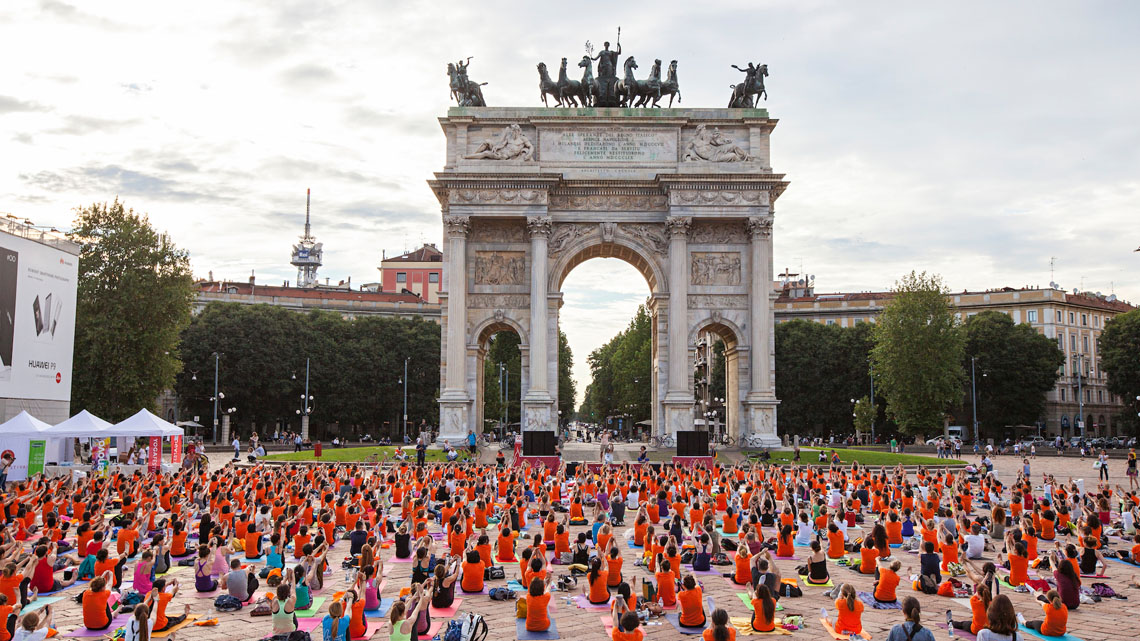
<point x="299" y="635"/>
<point x="261" y="608"/>
<point x="567" y="582"/>
<point x="501" y="594"/>
<point x="454" y="631"/>
<point x="729" y="545"/>
<point x="520" y="609"/>
<point x="720" y="558"/>
<point x="474" y="627"/>
<point x="494" y="573"/>
<point x="1103" y="590"/>
<point x="227" y="603"/>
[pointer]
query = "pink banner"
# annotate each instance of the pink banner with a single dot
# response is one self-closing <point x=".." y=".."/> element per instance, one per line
<point x="154" y="454"/>
<point x="176" y="449"/>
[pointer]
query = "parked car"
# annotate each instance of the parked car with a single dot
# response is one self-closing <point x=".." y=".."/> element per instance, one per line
<point x="948" y="439"/>
<point x="1037" y="441"/>
<point x="1075" y="441"/>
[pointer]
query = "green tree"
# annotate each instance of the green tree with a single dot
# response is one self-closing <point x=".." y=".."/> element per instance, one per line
<point x="566" y="386"/>
<point x="919" y="347"/>
<point x="1119" y="347"/>
<point x="503" y="348"/>
<point x="1014" y="368"/>
<point x="819" y="369"/>
<point x="621" y="376"/>
<point x="135" y="293"/>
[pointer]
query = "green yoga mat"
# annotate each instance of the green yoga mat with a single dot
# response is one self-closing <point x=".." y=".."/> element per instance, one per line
<point x="829" y="584"/>
<point x="743" y="596"/>
<point x="311" y="611"/>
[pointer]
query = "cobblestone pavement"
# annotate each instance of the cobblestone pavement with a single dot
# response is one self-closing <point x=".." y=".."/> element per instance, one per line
<point x="1110" y="619"/>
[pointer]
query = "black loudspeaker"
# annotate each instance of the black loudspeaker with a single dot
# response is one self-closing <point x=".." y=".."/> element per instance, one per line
<point x="539" y="443"/>
<point x="692" y="443"/>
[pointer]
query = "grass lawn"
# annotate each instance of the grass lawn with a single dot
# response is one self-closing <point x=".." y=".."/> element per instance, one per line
<point x="865" y="457"/>
<point x="351" y="454"/>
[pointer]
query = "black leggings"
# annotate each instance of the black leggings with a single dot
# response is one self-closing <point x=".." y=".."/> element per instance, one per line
<point x="171" y="622"/>
<point x="119" y="572"/>
<point x="24" y="591"/>
<point x="1036" y="625"/>
<point x="963" y="625"/>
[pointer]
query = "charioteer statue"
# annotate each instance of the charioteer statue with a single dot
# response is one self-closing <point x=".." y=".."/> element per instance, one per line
<point x="607" y="74"/>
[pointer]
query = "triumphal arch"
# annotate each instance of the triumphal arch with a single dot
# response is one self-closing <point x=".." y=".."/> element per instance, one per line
<point x="686" y="196"/>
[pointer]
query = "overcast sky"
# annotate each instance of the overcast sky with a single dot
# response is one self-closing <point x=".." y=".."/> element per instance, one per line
<point x="972" y="139"/>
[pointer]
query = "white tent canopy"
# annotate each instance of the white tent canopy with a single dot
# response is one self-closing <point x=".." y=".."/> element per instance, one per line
<point x="144" y="424"/>
<point x="82" y="425"/>
<point x="23" y="424"/>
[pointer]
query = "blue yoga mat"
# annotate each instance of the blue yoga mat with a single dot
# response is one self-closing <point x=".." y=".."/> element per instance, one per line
<point x="1067" y="637"/>
<point x="382" y="611"/>
<point x="523" y="634"/>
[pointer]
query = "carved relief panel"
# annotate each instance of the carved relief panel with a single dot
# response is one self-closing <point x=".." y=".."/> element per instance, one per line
<point x="715" y="268"/>
<point x="717" y="233"/>
<point x="498" y="231"/>
<point x="500" y="268"/>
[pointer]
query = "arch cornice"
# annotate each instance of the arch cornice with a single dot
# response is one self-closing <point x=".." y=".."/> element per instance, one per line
<point x="620" y="246"/>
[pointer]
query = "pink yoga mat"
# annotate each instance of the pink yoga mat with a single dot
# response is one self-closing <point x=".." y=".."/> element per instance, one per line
<point x="372" y="629"/>
<point x="397" y="559"/>
<point x="446" y="613"/>
<point x="432" y="631"/>
<point x="585" y="604"/>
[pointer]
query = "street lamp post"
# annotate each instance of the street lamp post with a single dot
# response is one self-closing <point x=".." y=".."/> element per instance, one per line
<point x="217" y="356"/>
<point x="405" y="397"/>
<point x="1080" y="397"/>
<point x="974" y="397"/>
<point x="874" y="412"/>
<point x="307" y="410"/>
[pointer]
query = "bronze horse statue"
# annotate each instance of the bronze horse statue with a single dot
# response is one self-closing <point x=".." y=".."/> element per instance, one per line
<point x="630" y="88"/>
<point x="467" y="93"/>
<point x="589" y="85"/>
<point x="547" y="86"/>
<point x="753" y="85"/>
<point x="569" y="90"/>
<point x="671" y="86"/>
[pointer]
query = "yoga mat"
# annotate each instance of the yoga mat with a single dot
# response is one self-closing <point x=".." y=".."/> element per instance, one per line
<point x="1002" y="580"/>
<point x="585" y="604"/>
<point x="165" y="633"/>
<point x="65" y="589"/>
<point x="446" y="613"/>
<point x="965" y="634"/>
<point x="515" y="586"/>
<point x="308" y="624"/>
<point x="382" y="611"/>
<point x="829" y="583"/>
<point x="1094" y="576"/>
<point x="634" y="547"/>
<point x="313" y="608"/>
<point x="207" y="595"/>
<point x="1066" y="637"/>
<point x="397" y="559"/>
<point x="117" y="622"/>
<point x="373" y="628"/>
<point x="841" y="637"/>
<point x="869" y="599"/>
<point x="485" y="591"/>
<point x="743" y="627"/>
<point x="1123" y="562"/>
<point x="523" y="634"/>
<point x="41" y="602"/>
<point x="675" y="619"/>
<point x="785" y="558"/>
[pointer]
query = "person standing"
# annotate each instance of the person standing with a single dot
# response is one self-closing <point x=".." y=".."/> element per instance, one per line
<point x="237" y="447"/>
<point x="1131" y="470"/>
<point x="297" y="442"/>
<point x="1103" y="461"/>
<point x="5" y="463"/>
<point x="471" y="443"/>
<point x="421" y="451"/>
<point x="894" y="446"/>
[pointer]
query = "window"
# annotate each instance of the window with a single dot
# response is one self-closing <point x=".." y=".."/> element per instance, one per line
<point x="1086" y="341"/>
<point x="1085" y="320"/>
<point x="1088" y="396"/>
<point x="1100" y="396"/>
<point x="433" y="277"/>
<point x="1071" y="321"/>
<point x="1072" y="341"/>
<point x="830" y="321"/>
<point x="1061" y="342"/>
<point x="1031" y="316"/>
<point x="401" y="277"/>
<point x="1096" y="321"/>
<point x="1062" y="395"/>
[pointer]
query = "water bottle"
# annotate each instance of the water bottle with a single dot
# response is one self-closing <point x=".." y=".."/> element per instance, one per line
<point x="823" y="613"/>
<point x="1020" y="618"/>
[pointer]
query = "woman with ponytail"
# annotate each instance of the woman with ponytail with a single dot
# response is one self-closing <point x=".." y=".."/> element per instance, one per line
<point x="911" y="629"/>
<point x="1056" y="616"/>
<point x="849" y="619"/>
<point x="720" y="630"/>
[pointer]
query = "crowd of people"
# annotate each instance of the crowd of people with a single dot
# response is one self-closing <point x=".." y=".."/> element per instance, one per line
<point x="930" y="532"/>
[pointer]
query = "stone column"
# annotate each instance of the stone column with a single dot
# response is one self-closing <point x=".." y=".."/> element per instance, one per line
<point x="678" y="399"/>
<point x="453" y="398"/>
<point x="226" y="429"/>
<point x="538" y="401"/>
<point x="304" y="427"/>
<point x="761" y="402"/>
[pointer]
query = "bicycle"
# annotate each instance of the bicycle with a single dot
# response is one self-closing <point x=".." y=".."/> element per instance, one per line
<point x="663" y="440"/>
<point x="753" y="441"/>
<point x="723" y="439"/>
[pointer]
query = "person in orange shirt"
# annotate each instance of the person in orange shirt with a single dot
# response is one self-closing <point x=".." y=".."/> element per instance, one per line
<point x="613" y="566"/>
<point x="868" y="555"/>
<point x="537" y="601"/>
<point x="884" y="588"/>
<point x="949" y="552"/>
<point x="1018" y="563"/>
<point x="96" y="610"/>
<point x="849" y="616"/>
<point x="472" y="569"/>
<point x="836" y="548"/>
<point x="785" y="545"/>
<point x="666" y="582"/>
<point x="763" y="609"/>
<point x="1056" y="616"/>
<point x="720" y="630"/>
<point x="691" y="599"/>
<point x="598" y="593"/>
<point x="627" y="627"/>
<point x="743" y="574"/>
<point x="506" y="546"/>
<point x="979" y="605"/>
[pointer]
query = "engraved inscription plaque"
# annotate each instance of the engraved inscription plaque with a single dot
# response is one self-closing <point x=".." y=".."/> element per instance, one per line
<point x="607" y="144"/>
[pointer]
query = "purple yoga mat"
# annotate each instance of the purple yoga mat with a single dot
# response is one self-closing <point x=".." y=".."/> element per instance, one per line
<point x="585" y="604"/>
<point x="116" y="622"/>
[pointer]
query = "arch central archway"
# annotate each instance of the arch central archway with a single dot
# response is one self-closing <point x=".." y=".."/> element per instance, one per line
<point x="605" y="184"/>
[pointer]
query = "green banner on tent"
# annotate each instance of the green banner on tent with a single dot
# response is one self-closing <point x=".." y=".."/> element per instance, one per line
<point x="35" y="457"/>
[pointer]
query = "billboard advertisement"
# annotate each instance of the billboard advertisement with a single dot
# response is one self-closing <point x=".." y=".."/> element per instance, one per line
<point x="37" y="319"/>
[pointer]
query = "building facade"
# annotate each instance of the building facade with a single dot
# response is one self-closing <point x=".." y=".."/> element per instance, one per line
<point x="1074" y="320"/>
<point x="343" y="300"/>
<point x="418" y="272"/>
